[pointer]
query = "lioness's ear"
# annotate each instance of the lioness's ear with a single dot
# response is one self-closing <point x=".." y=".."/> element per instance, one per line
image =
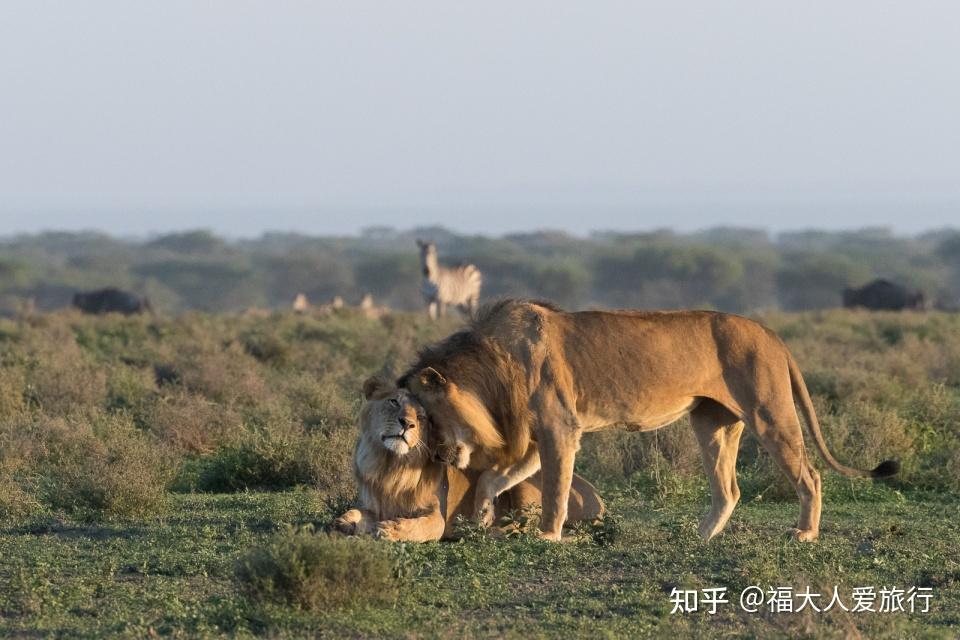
<point x="372" y="385"/>
<point x="430" y="378"/>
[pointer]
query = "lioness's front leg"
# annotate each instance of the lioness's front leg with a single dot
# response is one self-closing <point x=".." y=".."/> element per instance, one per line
<point x="495" y="481"/>
<point x="424" y="528"/>
<point x="558" y="449"/>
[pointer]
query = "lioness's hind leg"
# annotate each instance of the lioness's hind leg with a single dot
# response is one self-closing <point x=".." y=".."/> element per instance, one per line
<point x="778" y="429"/>
<point x="718" y="432"/>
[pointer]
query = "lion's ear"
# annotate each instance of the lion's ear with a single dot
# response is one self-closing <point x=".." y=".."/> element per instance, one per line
<point x="431" y="379"/>
<point x="372" y="385"/>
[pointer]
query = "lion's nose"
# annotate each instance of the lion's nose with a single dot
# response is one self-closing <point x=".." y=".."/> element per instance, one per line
<point x="406" y="423"/>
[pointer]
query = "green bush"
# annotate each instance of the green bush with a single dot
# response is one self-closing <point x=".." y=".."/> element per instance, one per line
<point x="315" y="571"/>
<point x="280" y="458"/>
<point x="88" y="467"/>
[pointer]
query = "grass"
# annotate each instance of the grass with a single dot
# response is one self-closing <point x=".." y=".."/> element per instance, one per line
<point x="163" y="476"/>
<point x="176" y="575"/>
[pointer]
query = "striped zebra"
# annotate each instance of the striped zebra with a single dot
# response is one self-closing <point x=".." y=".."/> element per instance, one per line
<point x="441" y="286"/>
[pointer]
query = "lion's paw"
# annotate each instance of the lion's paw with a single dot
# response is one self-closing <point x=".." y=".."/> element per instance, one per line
<point x="347" y="523"/>
<point x="803" y="535"/>
<point x="387" y="530"/>
<point x="551" y="536"/>
<point x="345" y="527"/>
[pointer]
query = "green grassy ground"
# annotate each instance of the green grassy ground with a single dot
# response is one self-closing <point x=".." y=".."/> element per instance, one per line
<point x="143" y="459"/>
<point x="176" y="574"/>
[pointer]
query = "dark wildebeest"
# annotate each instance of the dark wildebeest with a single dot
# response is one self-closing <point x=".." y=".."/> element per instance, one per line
<point x="111" y="300"/>
<point x="883" y="295"/>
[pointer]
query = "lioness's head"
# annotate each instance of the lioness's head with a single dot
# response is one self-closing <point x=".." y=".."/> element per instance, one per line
<point x="461" y="423"/>
<point x="392" y="419"/>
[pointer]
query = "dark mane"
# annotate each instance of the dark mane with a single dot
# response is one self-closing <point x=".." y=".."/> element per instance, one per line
<point x="505" y="305"/>
<point x="478" y="363"/>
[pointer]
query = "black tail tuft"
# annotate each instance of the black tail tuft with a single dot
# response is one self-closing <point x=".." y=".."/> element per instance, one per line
<point x="886" y="469"/>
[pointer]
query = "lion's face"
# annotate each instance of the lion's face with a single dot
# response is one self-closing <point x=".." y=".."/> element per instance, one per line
<point x="392" y="418"/>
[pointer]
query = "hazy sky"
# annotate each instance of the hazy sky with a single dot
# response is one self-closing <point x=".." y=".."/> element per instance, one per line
<point x="327" y="117"/>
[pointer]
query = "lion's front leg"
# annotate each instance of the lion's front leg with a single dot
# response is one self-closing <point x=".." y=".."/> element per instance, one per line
<point x="355" y="522"/>
<point x="427" y="527"/>
<point x="493" y="482"/>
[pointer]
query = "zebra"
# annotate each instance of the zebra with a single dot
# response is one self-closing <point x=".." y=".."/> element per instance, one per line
<point x="441" y="286"/>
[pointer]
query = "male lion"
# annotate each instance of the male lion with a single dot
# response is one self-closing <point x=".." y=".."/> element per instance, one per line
<point x="407" y="495"/>
<point x="527" y="376"/>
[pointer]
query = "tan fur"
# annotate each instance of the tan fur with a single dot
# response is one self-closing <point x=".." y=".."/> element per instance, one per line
<point x="408" y="496"/>
<point x="549" y="376"/>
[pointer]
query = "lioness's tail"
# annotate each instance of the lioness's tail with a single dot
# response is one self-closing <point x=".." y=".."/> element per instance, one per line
<point x="884" y="469"/>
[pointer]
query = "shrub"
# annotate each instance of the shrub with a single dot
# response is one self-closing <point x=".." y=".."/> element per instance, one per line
<point x="192" y="424"/>
<point x="616" y="454"/>
<point x="267" y="348"/>
<point x="129" y="389"/>
<point x="12" y="385"/>
<point x="322" y="404"/>
<point x="315" y="571"/>
<point x="105" y="467"/>
<point x="14" y="501"/>
<point x="282" y="457"/>
<point x="62" y="385"/>
<point x="17" y="454"/>
<point x="227" y="376"/>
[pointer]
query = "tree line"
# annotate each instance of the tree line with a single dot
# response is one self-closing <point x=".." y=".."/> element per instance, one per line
<point x="730" y="269"/>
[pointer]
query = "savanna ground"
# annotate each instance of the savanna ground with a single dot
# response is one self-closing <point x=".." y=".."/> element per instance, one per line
<point x="178" y="476"/>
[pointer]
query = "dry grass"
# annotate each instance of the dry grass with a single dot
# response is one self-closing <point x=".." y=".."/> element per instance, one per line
<point x="192" y="424"/>
<point x="90" y="467"/>
<point x="101" y="415"/>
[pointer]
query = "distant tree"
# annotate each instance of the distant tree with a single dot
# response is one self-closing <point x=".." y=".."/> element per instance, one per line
<point x="199" y="243"/>
<point x="723" y="268"/>
<point x="208" y="285"/>
<point x="320" y="275"/>
<point x="13" y="273"/>
<point x="668" y="276"/>
<point x="392" y="278"/>
<point x="816" y="281"/>
<point x="566" y="282"/>
<point x="948" y="249"/>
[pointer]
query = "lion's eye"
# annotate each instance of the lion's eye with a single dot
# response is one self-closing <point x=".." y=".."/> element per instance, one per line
<point x="394" y="402"/>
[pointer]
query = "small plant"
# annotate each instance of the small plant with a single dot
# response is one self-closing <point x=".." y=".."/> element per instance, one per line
<point x="468" y="529"/>
<point x="519" y="523"/>
<point x="314" y="571"/>
<point x="336" y="505"/>
<point x="605" y="530"/>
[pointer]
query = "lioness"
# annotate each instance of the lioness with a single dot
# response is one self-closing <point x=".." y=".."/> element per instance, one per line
<point x="407" y="495"/>
<point x="527" y="376"/>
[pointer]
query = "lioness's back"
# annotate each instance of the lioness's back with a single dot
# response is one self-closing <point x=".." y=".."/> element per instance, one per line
<point x="603" y="343"/>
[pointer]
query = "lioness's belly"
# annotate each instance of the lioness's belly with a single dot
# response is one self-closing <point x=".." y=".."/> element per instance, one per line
<point x="646" y="417"/>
